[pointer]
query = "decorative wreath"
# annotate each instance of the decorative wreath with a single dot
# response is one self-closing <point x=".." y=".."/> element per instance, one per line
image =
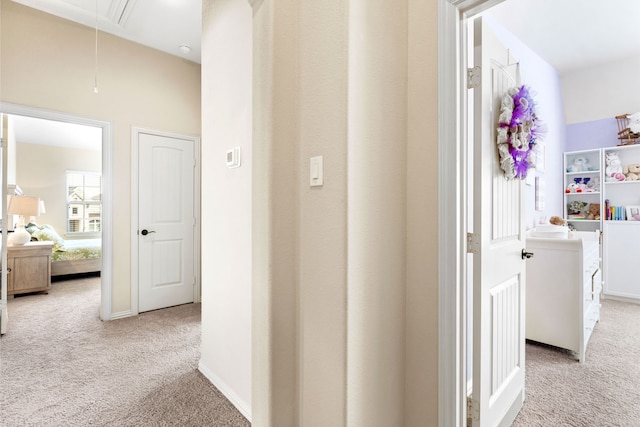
<point x="518" y="131"/>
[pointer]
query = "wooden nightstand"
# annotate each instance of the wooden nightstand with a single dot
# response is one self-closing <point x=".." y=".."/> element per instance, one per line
<point x="30" y="268"/>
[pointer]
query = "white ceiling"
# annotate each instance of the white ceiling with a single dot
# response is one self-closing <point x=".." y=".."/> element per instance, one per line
<point x="574" y="34"/>
<point x="568" y="34"/>
<point x="48" y="132"/>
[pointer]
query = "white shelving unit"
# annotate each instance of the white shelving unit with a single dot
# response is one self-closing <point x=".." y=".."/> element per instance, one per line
<point x="621" y="269"/>
<point x="583" y="197"/>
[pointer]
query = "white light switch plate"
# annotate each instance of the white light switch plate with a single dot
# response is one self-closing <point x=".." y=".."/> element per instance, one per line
<point x="316" y="175"/>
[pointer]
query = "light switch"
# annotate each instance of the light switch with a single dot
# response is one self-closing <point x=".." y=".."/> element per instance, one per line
<point x="316" y="178"/>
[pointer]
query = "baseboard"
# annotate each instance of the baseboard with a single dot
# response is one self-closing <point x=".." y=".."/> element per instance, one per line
<point x="121" y="314"/>
<point x="227" y="391"/>
<point x="621" y="298"/>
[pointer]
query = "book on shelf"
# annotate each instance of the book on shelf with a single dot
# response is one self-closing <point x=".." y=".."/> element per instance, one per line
<point x="614" y="213"/>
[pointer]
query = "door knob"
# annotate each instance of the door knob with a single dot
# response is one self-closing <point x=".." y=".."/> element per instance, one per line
<point x="145" y="232"/>
<point x="526" y="255"/>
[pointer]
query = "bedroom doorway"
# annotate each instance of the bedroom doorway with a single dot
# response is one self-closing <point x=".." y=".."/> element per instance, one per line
<point x="37" y="132"/>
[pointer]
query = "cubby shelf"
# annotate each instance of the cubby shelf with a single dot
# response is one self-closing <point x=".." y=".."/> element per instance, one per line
<point x="618" y="263"/>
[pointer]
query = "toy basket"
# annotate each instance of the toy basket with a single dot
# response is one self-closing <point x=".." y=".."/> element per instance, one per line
<point x="625" y="135"/>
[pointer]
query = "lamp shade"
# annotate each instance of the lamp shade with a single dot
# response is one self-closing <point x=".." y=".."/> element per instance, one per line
<point x="24" y="205"/>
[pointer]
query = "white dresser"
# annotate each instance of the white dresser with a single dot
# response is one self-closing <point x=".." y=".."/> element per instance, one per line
<point x="564" y="282"/>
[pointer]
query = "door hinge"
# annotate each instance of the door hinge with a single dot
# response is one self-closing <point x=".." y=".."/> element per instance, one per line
<point x="473" y="409"/>
<point x="473" y="243"/>
<point x="3" y="143"/>
<point x="473" y="77"/>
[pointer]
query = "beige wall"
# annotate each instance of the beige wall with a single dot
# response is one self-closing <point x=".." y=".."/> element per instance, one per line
<point x="48" y="63"/>
<point x="41" y="173"/>
<point x="344" y="276"/>
<point x="377" y="163"/>
<point x="421" y="315"/>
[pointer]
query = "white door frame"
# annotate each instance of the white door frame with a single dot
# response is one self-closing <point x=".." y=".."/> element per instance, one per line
<point x="452" y="197"/>
<point x="107" y="176"/>
<point x="135" y="133"/>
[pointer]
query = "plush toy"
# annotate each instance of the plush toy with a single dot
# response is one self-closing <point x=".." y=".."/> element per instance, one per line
<point x="613" y="171"/>
<point x="571" y="188"/>
<point x="580" y="164"/>
<point x="593" y="211"/>
<point x="632" y="172"/>
<point x="634" y="122"/>
<point x="556" y="220"/>
<point x="575" y="207"/>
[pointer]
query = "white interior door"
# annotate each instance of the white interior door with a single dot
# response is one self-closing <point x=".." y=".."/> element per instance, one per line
<point x="498" y="288"/>
<point x="4" y="312"/>
<point x="165" y="221"/>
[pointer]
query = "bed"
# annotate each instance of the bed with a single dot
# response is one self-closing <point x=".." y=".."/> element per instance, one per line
<point x="70" y="256"/>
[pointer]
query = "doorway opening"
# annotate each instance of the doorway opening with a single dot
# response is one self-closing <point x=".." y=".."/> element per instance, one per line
<point x="77" y="219"/>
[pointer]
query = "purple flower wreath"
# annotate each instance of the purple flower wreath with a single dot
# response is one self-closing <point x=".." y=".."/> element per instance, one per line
<point x="518" y="131"/>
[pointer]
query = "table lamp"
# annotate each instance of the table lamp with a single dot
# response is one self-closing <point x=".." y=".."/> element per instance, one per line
<point x="32" y="218"/>
<point x="22" y="206"/>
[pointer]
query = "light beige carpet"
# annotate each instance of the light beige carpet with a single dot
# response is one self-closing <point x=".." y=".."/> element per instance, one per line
<point x="61" y="366"/>
<point x="602" y="392"/>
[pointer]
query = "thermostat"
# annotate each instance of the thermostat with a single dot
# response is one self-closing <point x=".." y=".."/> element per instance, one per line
<point x="233" y="157"/>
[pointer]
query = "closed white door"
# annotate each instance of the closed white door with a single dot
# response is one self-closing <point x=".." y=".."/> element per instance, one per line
<point x="165" y="221"/>
<point x="498" y="288"/>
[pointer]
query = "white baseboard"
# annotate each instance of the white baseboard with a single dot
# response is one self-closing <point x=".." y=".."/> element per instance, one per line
<point x="227" y="391"/>
<point x="622" y="298"/>
<point x="121" y="314"/>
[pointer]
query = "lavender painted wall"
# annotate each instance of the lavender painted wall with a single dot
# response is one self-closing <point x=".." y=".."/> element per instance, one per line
<point x="593" y="134"/>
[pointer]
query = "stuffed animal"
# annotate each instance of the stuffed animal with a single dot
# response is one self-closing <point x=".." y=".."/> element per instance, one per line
<point x="632" y="172"/>
<point x="580" y="164"/>
<point x="571" y="188"/>
<point x="634" y="122"/>
<point x="593" y="211"/>
<point x="556" y="220"/>
<point x="613" y="171"/>
<point x="575" y="207"/>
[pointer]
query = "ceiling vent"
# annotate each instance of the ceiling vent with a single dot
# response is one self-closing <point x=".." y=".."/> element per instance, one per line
<point x="120" y="10"/>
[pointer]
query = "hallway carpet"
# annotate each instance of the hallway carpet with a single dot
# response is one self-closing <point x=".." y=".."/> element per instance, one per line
<point x="61" y="366"/>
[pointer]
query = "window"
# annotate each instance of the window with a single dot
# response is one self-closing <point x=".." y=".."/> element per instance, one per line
<point x="84" y="202"/>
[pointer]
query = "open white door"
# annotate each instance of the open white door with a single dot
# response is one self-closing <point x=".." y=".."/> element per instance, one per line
<point x="498" y="288"/>
<point x="166" y="221"/>
<point x="4" y="314"/>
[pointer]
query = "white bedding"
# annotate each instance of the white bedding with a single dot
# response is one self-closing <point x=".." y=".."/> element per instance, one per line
<point x="82" y="243"/>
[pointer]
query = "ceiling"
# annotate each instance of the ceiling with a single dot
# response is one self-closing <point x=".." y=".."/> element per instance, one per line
<point x="568" y="34"/>
<point x="573" y="34"/>
<point x="165" y="25"/>
<point x="48" y="132"/>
